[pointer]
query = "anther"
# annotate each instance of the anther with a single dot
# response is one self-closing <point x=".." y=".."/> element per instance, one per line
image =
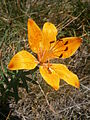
<point x="60" y="55"/>
<point x="66" y="43"/>
<point x="52" y="42"/>
<point x="66" y="49"/>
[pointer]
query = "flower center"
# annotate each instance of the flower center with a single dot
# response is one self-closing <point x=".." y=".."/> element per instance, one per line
<point x="42" y="56"/>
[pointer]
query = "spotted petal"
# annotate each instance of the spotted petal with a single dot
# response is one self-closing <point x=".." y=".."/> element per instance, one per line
<point x="65" y="47"/>
<point x="50" y="76"/>
<point x="23" y="60"/>
<point x="66" y="75"/>
<point x="49" y="33"/>
<point x="34" y="36"/>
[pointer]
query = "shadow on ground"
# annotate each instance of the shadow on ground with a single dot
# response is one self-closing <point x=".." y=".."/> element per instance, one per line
<point x="5" y="113"/>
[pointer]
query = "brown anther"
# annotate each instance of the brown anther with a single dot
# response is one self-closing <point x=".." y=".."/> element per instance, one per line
<point x="66" y="49"/>
<point x="52" y="42"/>
<point x="60" y="55"/>
<point x="66" y="43"/>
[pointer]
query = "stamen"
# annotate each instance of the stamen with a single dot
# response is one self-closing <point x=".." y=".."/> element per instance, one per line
<point x="52" y="42"/>
<point x="66" y="43"/>
<point x="60" y="55"/>
<point x="66" y="49"/>
<point x="60" y="40"/>
<point x="49" y="71"/>
<point x="55" y="45"/>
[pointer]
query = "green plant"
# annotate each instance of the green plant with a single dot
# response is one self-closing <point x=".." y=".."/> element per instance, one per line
<point x="11" y="81"/>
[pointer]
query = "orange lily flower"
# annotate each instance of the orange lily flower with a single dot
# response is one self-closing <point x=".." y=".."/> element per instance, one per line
<point x="44" y="44"/>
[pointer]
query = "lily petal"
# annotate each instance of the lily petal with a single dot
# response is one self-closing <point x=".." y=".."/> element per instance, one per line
<point x="23" y="60"/>
<point x="34" y="36"/>
<point x="49" y="32"/>
<point x="66" y="75"/>
<point x="50" y="76"/>
<point x="65" y="47"/>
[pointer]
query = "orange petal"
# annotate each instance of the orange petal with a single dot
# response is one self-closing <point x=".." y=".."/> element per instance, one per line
<point x="49" y="32"/>
<point x="22" y="60"/>
<point x="66" y="75"/>
<point x="50" y="76"/>
<point x="66" y="47"/>
<point x="34" y="36"/>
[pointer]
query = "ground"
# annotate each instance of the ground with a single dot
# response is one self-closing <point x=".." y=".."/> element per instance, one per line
<point x="41" y="101"/>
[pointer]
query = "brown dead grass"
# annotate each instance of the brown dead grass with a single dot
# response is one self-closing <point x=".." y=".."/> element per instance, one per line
<point x="42" y="102"/>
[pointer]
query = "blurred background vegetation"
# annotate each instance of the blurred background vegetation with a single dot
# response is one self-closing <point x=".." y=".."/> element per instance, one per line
<point x="71" y="18"/>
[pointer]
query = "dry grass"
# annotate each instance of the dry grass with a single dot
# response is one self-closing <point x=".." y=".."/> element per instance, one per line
<point x="42" y="102"/>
